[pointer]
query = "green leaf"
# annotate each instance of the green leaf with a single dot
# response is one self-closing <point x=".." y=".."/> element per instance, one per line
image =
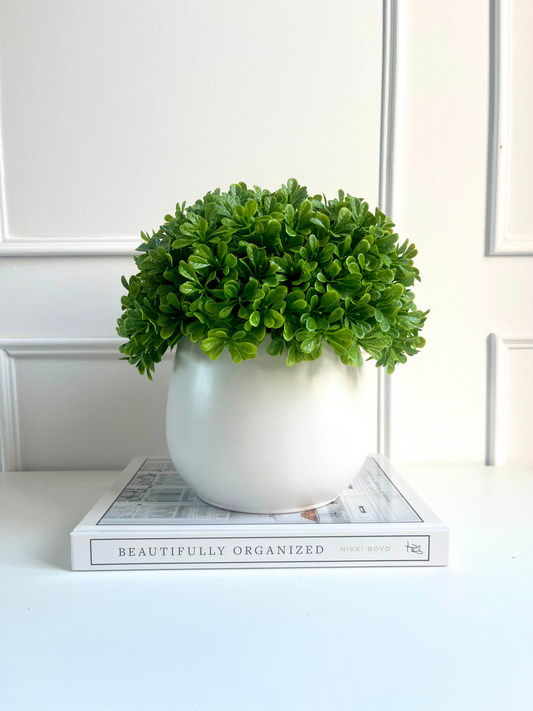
<point x="274" y="228"/>
<point x="309" y="344"/>
<point x="288" y="331"/>
<point x="173" y="299"/>
<point x="255" y="318"/>
<point x="167" y="331"/>
<point x="219" y="333"/>
<point x="329" y="300"/>
<point x="209" y="343"/>
<point x="276" y="317"/>
<point x="189" y="288"/>
<point x="247" y="350"/>
<point x="250" y="208"/>
<point x="350" y="283"/>
<point x="225" y="312"/>
<point x="234" y="352"/>
<point x="231" y="289"/>
<point x="183" y="242"/>
<point x="215" y="352"/>
<point x="198" y="262"/>
<point x="187" y="271"/>
<point x="335" y="315"/>
<point x="250" y="289"/>
<point x="253" y="254"/>
<point x="275" y="347"/>
<point x="340" y="340"/>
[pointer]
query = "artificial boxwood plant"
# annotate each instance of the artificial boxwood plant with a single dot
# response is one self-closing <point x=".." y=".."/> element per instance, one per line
<point x="237" y="267"/>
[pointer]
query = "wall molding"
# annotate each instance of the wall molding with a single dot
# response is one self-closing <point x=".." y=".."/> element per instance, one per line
<point x="13" y="349"/>
<point x="499" y="241"/>
<point x="12" y="246"/>
<point x="386" y="174"/>
<point x="4" y="231"/>
<point x="10" y="455"/>
<point x="498" y="383"/>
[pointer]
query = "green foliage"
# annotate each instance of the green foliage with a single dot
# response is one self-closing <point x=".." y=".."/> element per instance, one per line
<point x="235" y="266"/>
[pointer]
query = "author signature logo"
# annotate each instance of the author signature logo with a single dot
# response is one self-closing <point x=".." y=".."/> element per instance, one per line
<point x="413" y="548"/>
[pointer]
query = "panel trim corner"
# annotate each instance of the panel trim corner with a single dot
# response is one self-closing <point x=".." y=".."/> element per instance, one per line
<point x="498" y="386"/>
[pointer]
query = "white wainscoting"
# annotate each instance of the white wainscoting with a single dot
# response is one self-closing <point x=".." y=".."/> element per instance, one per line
<point x="510" y="400"/>
<point x="71" y="404"/>
<point x="88" y="163"/>
<point x="439" y="398"/>
<point x="510" y="161"/>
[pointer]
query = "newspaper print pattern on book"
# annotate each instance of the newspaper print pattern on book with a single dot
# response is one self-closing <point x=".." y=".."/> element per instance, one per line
<point x="157" y="494"/>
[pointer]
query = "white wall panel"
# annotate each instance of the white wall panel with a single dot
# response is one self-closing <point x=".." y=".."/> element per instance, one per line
<point x="520" y="407"/>
<point x="75" y="405"/>
<point x="112" y="112"/>
<point x="439" y="398"/>
<point x="520" y="217"/>
<point x="61" y="297"/>
<point x="510" y="221"/>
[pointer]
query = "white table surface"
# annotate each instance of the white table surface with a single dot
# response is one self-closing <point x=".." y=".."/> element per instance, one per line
<point x="375" y="639"/>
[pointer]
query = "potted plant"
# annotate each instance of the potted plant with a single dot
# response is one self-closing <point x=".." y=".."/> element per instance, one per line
<point x="249" y="282"/>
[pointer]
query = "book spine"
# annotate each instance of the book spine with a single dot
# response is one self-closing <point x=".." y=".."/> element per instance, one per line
<point x="135" y="553"/>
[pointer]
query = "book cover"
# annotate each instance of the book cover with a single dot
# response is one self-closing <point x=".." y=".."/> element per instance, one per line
<point x="151" y="519"/>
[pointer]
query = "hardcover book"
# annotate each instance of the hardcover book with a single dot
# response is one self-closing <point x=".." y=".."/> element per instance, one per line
<point x="151" y="519"/>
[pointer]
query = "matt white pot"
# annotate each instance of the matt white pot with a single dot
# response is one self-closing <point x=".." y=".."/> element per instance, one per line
<point x="264" y="438"/>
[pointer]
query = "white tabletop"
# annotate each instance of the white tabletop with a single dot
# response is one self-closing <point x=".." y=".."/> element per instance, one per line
<point x="375" y="639"/>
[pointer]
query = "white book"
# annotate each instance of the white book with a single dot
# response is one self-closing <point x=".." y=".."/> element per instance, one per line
<point x="151" y="519"/>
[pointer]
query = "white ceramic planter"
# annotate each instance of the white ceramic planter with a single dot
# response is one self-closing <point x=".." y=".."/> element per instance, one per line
<point x="264" y="438"/>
